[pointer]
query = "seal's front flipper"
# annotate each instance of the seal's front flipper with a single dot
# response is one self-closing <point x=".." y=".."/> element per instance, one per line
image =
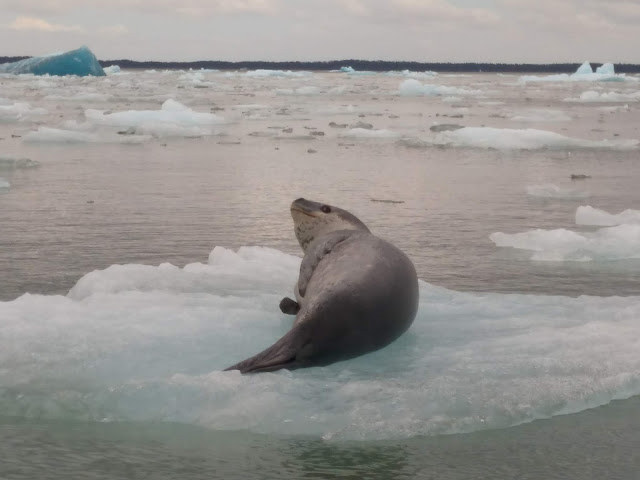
<point x="288" y="306"/>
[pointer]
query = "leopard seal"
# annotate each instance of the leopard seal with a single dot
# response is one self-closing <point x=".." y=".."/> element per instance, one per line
<point x="355" y="293"/>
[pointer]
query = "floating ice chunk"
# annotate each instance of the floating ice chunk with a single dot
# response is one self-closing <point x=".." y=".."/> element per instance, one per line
<point x="13" y="163"/>
<point x="412" y="87"/>
<point x="4" y="185"/>
<point x="261" y="73"/>
<point x="410" y="74"/>
<point x="354" y="72"/>
<point x="541" y="115"/>
<point x="584" y="69"/>
<point x="612" y="243"/>
<point x="112" y="70"/>
<point x="369" y="133"/>
<point x="19" y="112"/>
<point x="593" y="96"/>
<point x="584" y="73"/>
<point x="549" y="190"/>
<point x="79" y="62"/>
<point x="587" y="215"/>
<point x="606" y="69"/>
<point x="529" y="138"/>
<point x="173" y="119"/>
<point x="139" y="343"/>
<point x="614" y="108"/>
<point x="56" y="135"/>
<point x="226" y="272"/>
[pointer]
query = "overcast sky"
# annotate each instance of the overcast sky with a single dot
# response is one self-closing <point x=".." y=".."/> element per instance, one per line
<point x="421" y="30"/>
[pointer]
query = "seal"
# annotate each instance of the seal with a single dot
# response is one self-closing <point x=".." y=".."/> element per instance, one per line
<point x="355" y="293"/>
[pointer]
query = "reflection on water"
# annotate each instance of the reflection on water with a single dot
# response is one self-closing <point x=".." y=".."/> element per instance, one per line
<point x="594" y="444"/>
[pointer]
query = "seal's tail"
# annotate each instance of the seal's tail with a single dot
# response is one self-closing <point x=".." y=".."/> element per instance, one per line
<point x="281" y="354"/>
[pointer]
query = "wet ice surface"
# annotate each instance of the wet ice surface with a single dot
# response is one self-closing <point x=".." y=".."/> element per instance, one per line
<point x="136" y="342"/>
<point x="123" y="179"/>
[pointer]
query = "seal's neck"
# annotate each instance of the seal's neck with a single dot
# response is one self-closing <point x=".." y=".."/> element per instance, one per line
<point x="314" y="227"/>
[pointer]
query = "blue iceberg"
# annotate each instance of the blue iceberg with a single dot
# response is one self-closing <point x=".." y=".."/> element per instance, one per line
<point x="81" y="62"/>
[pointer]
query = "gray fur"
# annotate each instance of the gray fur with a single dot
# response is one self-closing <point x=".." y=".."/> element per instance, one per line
<point x="356" y="293"/>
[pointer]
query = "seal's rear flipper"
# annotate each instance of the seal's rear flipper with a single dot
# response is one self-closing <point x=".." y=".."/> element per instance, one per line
<point x="282" y="354"/>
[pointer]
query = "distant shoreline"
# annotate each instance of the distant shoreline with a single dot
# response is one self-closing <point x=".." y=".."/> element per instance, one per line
<point x="359" y="65"/>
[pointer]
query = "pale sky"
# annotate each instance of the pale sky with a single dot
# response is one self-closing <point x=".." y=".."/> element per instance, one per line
<point x="523" y="31"/>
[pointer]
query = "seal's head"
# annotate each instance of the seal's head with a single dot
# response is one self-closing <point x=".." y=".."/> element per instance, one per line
<point x="313" y="219"/>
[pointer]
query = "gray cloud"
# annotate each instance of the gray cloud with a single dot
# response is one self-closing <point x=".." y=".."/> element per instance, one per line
<point x="424" y="30"/>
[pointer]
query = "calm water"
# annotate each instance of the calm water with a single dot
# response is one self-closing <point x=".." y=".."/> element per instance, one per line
<point x="172" y="199"/>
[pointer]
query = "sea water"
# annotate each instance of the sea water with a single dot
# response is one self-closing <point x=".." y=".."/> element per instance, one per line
<point x="146" y="241"/>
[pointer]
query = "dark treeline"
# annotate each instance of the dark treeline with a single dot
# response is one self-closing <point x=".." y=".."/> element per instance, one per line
<point x="371" y="65"/>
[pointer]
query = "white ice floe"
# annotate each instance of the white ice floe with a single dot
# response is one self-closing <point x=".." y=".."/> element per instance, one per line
<point x="412" y="87"/>
<point x="261" y="73"/>
<point x="593" y="96"/>
<point x="19" y="112"/>
<point x="549" y="190"/>
<point x="606" y="69"/>
<point x="611" y="243"/>
<point x="587" y="215"/>
<point x="584" y="73"/>
<point x="369" y="133"/>
<point x="529" y="138"/>
<point x="614" y="108"/>
<point x="62" y="136"/>
<point x="173" y="119"/>
<point x="4" y="185"/>
<point x="410" y="74"/>
<point x="112" y="70"/>
<point x="541" y="115"/>
<point x="136" y="343"/>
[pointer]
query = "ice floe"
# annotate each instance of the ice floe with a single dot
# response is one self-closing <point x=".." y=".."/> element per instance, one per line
<point x="611" y="243"/>
<point x="19" y="112"/>
<point x="584" y="73"/>
<point x="79" y="62"/>
<point x="587" y="215"/>
<point x="262" y="73"/>
<point x="4" y="185"/>
<point x="112" y="70"/>
<point x="136" y="342"/>
<point x="173" y="119"/>
<point x="413" y="87"/>
<point x="529" y="138"/>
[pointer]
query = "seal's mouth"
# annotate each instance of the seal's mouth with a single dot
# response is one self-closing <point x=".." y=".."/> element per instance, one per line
<point x="307" y="213"/>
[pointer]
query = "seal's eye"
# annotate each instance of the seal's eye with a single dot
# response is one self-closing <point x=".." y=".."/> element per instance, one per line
<point x="325" y="208"/>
